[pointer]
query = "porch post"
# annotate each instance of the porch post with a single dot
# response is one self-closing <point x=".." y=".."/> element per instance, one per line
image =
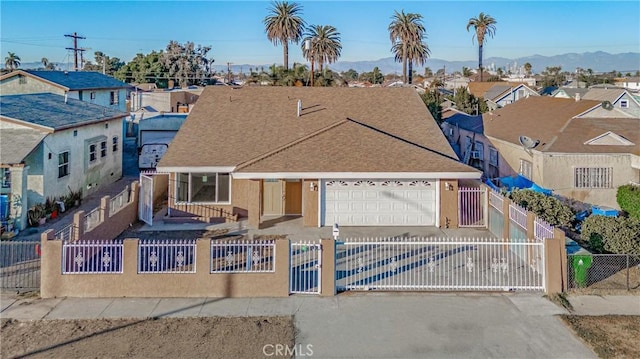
<point x="254" y="195"/>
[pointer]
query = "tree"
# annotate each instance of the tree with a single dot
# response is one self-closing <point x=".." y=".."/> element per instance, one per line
<point x="284" y="24"/>
<point x="466" y="72"/>
<point x="145" y="68"/>
<point x="468" y="103"/>
<point x="552" y="76"/>
<point x="527" y="69"/>
<point x="432" y="99"/>
<point x="375" y="76"/>
<point x="428" y="72"/>
<point x="187" y="63"/>
<point x="325" y="44"/>
<point x="406" y="30"/>
<point x="484" y="25"/>
<point x="417" y="52"/>
<point x="350" y="74"/>
<point x="46" y="64"/>
<point x="12" y="61"/>
<point x="103" y="63"/>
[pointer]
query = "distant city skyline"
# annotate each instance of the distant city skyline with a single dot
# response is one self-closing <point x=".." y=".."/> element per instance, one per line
<point x="234" y="30"/>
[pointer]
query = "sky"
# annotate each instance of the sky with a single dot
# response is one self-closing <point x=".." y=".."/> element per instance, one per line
<point x="235" y="31"/>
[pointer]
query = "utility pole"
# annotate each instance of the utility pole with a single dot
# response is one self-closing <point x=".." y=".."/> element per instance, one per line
<point x="229" y="72"/>
<point x="75" y="49"/>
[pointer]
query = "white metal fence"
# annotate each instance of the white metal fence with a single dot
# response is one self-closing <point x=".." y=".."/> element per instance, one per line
<point x="92" y="256"/>
<point x="92" y="219"/>
<point x="496" y="200"/>
<point x="167" y="256"/>
<point x="240" y="256"/>
<point x="119" y="201"/>
<point x="438" y="264"/>
<point x="65" y="234"/>
<point x="541" y="229"/>
<point x="471" y="207"/>
<point x="518" y="215"/>
<point x="305" y="274"/>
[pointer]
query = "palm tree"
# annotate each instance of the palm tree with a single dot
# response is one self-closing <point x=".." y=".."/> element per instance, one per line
<point x="527" y="69"/>
<point x="483" y="25"/>
<point x="47" y="64"/>
<point x="283" y="24"/>
<point x="12" y="61"/>
<point x="325" y="44"/>
<point x="416" y="52"/>
<point x="407" y="30"/>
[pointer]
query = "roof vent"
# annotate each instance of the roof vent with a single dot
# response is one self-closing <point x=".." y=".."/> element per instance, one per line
<point x="299" y="107"/>
<point x="577" y="96"/>
<point x="65" y="97"/>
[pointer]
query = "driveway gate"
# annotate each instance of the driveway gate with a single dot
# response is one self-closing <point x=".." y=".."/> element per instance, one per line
<point x="304" y="272"/>
<point x="438" y="264"/>
<point x="472" y="207"/>
<point x="145" y="205"/>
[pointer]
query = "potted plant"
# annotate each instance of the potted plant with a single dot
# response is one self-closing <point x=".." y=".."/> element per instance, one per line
<point x="36" y="215"/>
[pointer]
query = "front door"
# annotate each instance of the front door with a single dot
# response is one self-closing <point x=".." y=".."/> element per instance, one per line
<point x="272" y="198"/>
<point x="293" y="197"/>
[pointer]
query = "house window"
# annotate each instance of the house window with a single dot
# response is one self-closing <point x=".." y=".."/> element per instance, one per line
<point x="624" y="104"/>
<point x="526" y="168"/>
<point x="63" y="164"/>
<point x="114" y="143"/>
<point x="520" y="94"/>
<point x="22" y="80"/>
<point x="5" y="178"/>
<point x="203" y="187"/>
<point x="593" y="177"/>
<point x="92" y="95"/>
<point x="479" y="148"/>
<point x="93" y="154"/>
<point x="114" y="97"/>
<point x="493" y="157"/>
<point x="75" y="133"/>
<point x="103" y="149"/>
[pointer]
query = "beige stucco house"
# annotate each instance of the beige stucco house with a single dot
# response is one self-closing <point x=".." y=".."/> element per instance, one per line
<point x="581" y="149"/>
<point x="352" y="156"/>
<point x="50" y="145"/>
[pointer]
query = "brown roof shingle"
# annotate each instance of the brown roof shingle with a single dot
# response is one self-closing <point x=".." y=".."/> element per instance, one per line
<point x="339" y="129"/>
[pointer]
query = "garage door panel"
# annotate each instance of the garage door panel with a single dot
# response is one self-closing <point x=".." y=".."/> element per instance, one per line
<point x="379" y="203"/>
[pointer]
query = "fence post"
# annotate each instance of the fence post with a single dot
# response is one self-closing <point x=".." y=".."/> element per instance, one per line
<point x="560" y="236"/>
<point x="328" y="268"/>
<point x="105" y="208"/>
<point x="505" y="213"/>
<point x="50" y="264"/>
<point x="78" y="224"/>
<point x="553" y="265"/>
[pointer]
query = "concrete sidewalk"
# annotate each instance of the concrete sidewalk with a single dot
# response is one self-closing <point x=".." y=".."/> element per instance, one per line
<point x="366" y="325"/>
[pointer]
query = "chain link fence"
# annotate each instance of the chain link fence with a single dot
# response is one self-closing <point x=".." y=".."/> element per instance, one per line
<point x="600" y="273"/>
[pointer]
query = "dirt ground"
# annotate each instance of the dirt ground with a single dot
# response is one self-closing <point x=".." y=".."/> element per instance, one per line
<point x="610" y="336"/>
<point x="146" y="338"/>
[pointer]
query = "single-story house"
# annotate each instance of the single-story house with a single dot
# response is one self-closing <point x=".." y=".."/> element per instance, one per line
<point x="50" y="145"/>
<point x="351" y="156"/>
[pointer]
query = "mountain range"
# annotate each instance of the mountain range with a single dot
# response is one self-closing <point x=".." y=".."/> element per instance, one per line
<point x="598" y="61"/>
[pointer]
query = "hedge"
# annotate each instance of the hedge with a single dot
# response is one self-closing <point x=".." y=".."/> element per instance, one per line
<point x="628" y="197"/>
<point x="548" y="208"/>
<point x="614" y="234"/>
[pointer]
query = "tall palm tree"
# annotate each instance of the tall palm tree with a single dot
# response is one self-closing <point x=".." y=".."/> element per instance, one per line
<point x="405" y="29"/>
<point x="12" y="61"/>
<point x="284" y="24"/>
<point x="483" y="25"/>
<point x="47" y="64"/>
<point x="325" y="44"/>
<point x="417" y="52"/>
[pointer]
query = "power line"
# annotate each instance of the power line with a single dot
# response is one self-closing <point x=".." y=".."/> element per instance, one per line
<point x="75" y="49"/>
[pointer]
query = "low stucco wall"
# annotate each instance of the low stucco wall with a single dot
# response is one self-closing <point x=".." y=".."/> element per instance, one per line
<point x="131" y="284"/>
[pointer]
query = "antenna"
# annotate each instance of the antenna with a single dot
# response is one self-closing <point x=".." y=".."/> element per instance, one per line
<point x="528" y="143"/>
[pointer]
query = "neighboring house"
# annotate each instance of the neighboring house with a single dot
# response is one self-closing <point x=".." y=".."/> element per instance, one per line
<point x="630" y="83"/>
<point x="50" y="145"/>
<point x="155" y="133"/>
<point x="88" y="86"/>
<point x="466" y="136"/>
<point x="569" y="92"/>
<point x="616" y="102"/>
<point x="577" y="150"/>
<point x="500" y="94"/>
<point x="362" y="157"/>
<point x="175" y="100"/>
<point x="456" y="82"/>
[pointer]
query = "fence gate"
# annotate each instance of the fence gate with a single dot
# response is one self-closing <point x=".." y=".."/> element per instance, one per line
<point x="467" y="264"/>
<point x="145" y="206"/>
<point x="304" y="273"/>
<point x="20" y="265"/>
<point x="472" y="207"/>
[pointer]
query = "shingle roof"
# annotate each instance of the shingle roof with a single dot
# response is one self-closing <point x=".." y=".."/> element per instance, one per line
<point x="50" y="110"/>
<point x="340" y="129"/>
<point x="80" y="80"/>
<point x="551" y="121"/>
<point x="600" y="94"/>
<point x="479" y="89"/>
<point x="467" y="122"/>
<point x="17" y="143"/>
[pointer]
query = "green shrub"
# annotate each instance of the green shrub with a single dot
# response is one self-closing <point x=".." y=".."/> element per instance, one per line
<point x="628" y="197"/>
<point x="618" y="235"/>
<point x="548" y="208"/>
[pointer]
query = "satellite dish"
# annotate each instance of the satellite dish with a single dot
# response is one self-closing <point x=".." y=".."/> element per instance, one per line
<point x="528" y="143"/>
<point x="607" y="105"/>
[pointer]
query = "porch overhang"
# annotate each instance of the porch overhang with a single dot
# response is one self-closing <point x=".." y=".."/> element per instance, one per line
<point x="196" y="169"/>
<point x="17" y="143"/>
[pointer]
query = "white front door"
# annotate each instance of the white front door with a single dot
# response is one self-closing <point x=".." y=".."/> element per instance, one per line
<point x="379" y="202"/>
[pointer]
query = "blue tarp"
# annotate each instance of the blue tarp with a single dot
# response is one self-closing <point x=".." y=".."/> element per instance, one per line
<point x="520" y="182"/>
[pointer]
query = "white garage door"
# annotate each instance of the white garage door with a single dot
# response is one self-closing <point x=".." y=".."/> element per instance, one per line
<point x="379" y="202"/>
